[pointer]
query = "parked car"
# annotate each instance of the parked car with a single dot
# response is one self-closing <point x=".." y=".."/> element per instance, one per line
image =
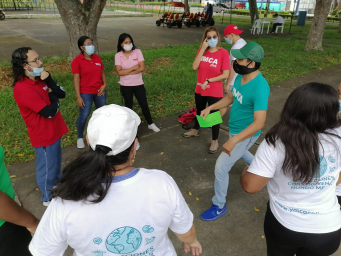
<point x="220" y="8"/>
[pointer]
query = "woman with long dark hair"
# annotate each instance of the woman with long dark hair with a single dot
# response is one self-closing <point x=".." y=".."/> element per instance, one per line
<point x="300" y="161"/>
<point x="89" y="81"/>
<point x="212" y="64"/>
<point x="129" y="63"/>
<point x="103" y="205"/>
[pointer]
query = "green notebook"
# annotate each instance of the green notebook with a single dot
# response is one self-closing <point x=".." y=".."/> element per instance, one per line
<point x="210" y="120"/>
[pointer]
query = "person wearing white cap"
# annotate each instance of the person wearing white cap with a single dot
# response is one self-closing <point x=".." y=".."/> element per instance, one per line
<point x="103" y="205"/>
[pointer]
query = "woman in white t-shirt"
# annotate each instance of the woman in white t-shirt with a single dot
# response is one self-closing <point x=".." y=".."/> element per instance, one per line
<point x="105" y="206"/>
<point x="300" y="161"/>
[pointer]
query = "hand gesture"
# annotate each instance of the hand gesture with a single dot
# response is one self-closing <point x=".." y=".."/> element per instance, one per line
<point x="44" y="75"/>
<point x="204" y="45"/>
<point x="229" y="146"/>
<point x="226" y="89"/>
<point x="204" y="85"/>
<point x="101" y="90"/>
<point x="80" y="102"/>
<point x="205" y="112"/>
<point x="194" y="248"/>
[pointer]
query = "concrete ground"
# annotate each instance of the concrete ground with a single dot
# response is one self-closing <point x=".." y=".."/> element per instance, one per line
<point x="240" y="232"/>
<point x="49" y="37"/>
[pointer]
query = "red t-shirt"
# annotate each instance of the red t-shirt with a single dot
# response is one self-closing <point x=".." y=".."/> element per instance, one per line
<point x="31" y="97"/>
<point x="90" y="72"/>
<point x="212" y="65"/>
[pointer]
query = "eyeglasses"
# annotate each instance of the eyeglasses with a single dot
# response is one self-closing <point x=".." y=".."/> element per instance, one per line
<point x="214" y="37"/>
<point x="86" y="44"/>
<point x="36" y="60"/>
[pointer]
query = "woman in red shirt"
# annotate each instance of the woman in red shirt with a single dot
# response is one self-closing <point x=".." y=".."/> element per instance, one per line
<point x="212" y="64"/>
<point x="89" y="81"/>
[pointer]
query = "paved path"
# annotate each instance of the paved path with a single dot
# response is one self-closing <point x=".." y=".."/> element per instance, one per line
<point x="49" y="36"/>
<point x="239" y="233"/>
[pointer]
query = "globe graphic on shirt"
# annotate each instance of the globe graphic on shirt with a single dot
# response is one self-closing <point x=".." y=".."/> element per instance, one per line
<point x="323" y="167"/>
<point x="124" y="240"/>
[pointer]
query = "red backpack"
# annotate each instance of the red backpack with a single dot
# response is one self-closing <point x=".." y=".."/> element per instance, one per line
<point x="187" y="118"/>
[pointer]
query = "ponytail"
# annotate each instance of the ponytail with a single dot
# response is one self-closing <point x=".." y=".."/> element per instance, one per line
<point x="89" y="174"/>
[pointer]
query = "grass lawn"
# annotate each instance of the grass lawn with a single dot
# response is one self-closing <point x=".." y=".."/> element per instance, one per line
<point x="169" y="80"/>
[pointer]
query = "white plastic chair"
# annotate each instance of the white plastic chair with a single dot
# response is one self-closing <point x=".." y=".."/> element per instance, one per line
<point x="281" y="27"/>
<point x="257" y="25"/>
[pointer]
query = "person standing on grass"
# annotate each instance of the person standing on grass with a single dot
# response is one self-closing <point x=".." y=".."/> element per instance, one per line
<point x="232" y="36"/>
<point x="212" y="65"/>
<point x="37" y="96"/>
<point x="15" y="222"/>
<point x="90" y="83"/>
<point x="278" y="22"/>
<point x="249" y="96"/>
<point x="103" y="205"/>
<point x="129" y="63"/>
<point x="299" y="161"/>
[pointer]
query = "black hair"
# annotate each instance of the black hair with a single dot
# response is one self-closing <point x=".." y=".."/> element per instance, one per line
<point x="121" y="39"/>
<point x="276" y="14"/>
<point x="89" y="174"/>
<point x="310" y="110"/>
<point x="19" y="58"/>
<point x="81" y="41"/>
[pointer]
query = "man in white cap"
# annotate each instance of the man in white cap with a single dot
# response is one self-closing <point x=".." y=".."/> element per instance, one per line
<point x="104" y="206"/>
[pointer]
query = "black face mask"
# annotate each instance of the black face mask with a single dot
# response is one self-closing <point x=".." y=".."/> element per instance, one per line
<point x="243" y="70"/>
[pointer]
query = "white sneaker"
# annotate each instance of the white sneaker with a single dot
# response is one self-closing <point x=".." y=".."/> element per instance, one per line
<point x="47" y="203"/>
<point x="153" y="127"/>
<point x="80" y="143"/>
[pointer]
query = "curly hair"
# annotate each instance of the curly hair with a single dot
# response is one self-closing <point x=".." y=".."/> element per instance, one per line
<point x="19" y="57"/>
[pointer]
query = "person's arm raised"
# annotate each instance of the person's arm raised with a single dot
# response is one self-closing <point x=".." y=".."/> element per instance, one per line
<point x="197" y="59"/>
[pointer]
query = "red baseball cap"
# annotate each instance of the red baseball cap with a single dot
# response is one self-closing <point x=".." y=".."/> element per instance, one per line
<point x="232" y="29"/>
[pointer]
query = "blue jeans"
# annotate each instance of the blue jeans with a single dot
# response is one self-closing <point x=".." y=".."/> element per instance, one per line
<point x="48" y="164"/>
<point x="224" y="165"/>
<point x="85" y="111"/>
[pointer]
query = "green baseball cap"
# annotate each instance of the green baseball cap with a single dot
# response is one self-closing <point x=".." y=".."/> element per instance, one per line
<point x="251" y="50"/>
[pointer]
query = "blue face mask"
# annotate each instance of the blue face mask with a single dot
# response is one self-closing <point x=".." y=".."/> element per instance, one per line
<point x="228" y="41"/>
<point x="36" y="71"/>
<point x="90" y="49"/>
<point x="212" y="42"/>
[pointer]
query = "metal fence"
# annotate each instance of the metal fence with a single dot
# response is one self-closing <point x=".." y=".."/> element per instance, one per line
<point x="34" y="5"/>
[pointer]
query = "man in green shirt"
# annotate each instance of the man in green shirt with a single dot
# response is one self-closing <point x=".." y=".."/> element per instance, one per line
<point x="15" y="221"/>
<point x="248" y="114"/>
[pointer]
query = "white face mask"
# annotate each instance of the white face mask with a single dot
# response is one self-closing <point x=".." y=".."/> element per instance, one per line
<point x="128" y="47"/>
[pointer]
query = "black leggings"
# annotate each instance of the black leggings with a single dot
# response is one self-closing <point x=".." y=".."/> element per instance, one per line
<point x="285" y="242"/>
<point x="14" y="240"/>
<point x="201" y="102"/>
<point x="140" y="94"/>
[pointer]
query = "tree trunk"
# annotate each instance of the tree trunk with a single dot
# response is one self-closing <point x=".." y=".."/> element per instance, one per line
<point x="80" y="19"/>
<point x="186" y="5"/>
<point x="253" y="10"/>
<point x="316" y="32"/>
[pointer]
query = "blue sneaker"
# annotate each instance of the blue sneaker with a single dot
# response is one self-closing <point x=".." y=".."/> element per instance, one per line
<point x="213" y="213"/>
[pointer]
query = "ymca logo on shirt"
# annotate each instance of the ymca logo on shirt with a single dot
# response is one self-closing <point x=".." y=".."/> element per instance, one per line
<point x="98" y="64"/>
<point x="214" y="62"/>
<point x="238" y="95"/>
<point x="45" y="88"/>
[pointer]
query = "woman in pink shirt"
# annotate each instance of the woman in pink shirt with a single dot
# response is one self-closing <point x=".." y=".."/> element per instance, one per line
<point x="212" y="64"/>
<point x="129" y="63"/>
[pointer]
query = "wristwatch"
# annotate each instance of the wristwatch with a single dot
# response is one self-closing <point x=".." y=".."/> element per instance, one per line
<point x="207" y="80"/>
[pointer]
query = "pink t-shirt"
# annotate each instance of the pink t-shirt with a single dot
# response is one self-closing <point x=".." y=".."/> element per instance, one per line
<point x="212" y="65"/>
<point x="134" y="58"/>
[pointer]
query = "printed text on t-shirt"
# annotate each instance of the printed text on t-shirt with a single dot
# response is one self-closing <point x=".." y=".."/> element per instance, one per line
<point x="238" y="95"/>
<point x="214" y="62"/>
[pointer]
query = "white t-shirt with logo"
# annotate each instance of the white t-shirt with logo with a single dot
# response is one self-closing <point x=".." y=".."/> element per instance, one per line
<point x="237" y="45"/>
<point x="308" y="208"/>
<point x="338" y="190"/>
<point x="133" y="219"/>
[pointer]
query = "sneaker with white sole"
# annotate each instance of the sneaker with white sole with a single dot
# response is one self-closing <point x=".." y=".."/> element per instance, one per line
<point x="80" y="143"/>
<point x="213" y="213"/>
<point x="153" y="127"/>
<point x="46" y="203"/>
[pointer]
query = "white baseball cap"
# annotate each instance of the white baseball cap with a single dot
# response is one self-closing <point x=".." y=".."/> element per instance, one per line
<point x="113" y="126"/>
